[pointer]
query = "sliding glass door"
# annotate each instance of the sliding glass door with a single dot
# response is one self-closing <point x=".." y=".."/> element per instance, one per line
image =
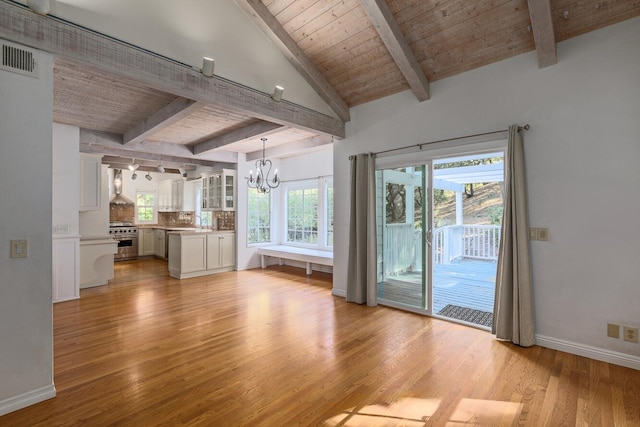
<point x="403" y="222"/>
<point x="438" y="231"/>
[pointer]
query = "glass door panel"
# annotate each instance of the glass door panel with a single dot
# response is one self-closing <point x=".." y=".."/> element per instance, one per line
<point x="403" y="219"/>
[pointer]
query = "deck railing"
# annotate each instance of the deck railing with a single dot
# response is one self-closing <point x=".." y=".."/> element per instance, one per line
<point x="400" y="249"/>
<point x="403" y="245"/>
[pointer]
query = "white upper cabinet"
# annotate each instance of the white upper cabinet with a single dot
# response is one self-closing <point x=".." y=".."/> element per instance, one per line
<point x="176" y="195"/>
<point x="219" y="191"/>
<point x="90" y="181"/>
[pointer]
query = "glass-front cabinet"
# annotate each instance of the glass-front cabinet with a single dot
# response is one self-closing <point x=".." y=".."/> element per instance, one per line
<point x="229" y="188"/>
<point x="218" y="191"/>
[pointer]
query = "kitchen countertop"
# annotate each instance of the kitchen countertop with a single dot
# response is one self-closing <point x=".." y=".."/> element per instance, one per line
<point x="184" y="230"/>
<point x="187" y="231"/>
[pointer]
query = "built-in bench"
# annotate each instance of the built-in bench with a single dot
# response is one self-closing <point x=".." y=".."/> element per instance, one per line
<point x="310" y="256"/>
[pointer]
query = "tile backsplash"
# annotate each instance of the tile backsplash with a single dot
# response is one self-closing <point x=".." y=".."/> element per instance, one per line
<point x="180" y="219"/>
<point x="122" y="213"/>
<point x="226" y="220"/>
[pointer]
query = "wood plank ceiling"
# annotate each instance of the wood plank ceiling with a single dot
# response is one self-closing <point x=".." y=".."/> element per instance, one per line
<point x="350" y="51"/>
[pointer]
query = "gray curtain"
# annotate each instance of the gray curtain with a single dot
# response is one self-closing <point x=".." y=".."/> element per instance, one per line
<point x="361" y="276"/>
<point x="513" y="307"/>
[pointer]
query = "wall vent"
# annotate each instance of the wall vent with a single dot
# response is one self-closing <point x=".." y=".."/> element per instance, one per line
<point x="19" y="59"/>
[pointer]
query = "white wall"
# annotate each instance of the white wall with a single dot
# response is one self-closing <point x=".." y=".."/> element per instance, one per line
<point x="582" y="156"/>
<point x="26" y="363"/>
<point x="66" y="178"/>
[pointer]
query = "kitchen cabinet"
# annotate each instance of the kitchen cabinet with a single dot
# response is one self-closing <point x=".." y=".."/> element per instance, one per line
<point x="218" y="191"/>
<point x="175" y="196"/>
<point x="90" y="182"/>
<point x="164" y="196"/>
<point x="160" y="243"/>
<point x="66" y="268"/>
<point x="187" y="255"/>
<point x="200" y="253"/>
<point x="146" y="242"/>
<point x="221" y="250"/>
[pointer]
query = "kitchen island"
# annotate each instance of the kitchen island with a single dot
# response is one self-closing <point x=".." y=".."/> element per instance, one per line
<point x="200" y="252"/>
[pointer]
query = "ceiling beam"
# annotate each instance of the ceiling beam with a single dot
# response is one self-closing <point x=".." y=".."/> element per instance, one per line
<point x="253" y="130"/>
<point x="121" y="152"/>
<point x="292" y="148"/>
<point x="89" y="48"/>
<point x="111" y="143"/>
<point x="543" y="34"/>
<point x="390" y="33"/>
<point x="162" y="119"/>
<point x="263" y="18"/>
<point x="116" y="162"/>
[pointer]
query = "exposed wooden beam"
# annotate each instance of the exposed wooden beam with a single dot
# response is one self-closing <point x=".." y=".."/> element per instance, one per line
<point x="390" y="33"/>
<point x="263" y="18"/>
<point x="89" y="48"/>
<point x="254" y="130"/>
<point x="543" y="34"/>
<point x="121" y="152"/>
<point x="162" y="119"/>
<point x="111" y="144"/>
<point x="292" y="148"/>
<point x="116" y="162"/>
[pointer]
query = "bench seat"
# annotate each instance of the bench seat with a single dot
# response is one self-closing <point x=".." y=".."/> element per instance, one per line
<point x="310" y="256"/>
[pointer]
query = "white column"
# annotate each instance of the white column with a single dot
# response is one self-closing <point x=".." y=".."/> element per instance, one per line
<point x="459" y="216"/>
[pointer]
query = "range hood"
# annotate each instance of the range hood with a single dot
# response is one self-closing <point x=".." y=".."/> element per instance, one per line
<point x="118" y="198"/>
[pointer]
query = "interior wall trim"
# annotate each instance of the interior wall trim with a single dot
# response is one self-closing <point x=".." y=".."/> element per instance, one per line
<point x="609" y="356"/>
<point x="27" y="399"/>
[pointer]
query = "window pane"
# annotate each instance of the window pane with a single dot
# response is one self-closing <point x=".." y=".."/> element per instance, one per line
<point x="145" y="206"/>
<point x="302" y="215"/>
<point x="259" y="217"/>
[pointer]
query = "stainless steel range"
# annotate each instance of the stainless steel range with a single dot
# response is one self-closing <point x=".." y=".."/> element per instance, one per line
<point x="126" y="234"/>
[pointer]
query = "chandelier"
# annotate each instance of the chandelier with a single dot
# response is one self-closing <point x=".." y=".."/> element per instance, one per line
<point x="261" y="182"/>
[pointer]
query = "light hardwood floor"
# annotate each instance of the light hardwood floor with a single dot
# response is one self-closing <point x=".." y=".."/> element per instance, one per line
<point x="274" y="348"/>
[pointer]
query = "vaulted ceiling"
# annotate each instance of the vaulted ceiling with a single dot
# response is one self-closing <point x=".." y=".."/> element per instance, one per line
<point x="349" y="51"/>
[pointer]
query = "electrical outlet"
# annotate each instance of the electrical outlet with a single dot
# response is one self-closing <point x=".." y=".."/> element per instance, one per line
<point x="543" y="234"/>
<point x="613" y="330"/>
<point x="61" y="229"/>
<point x="630" y="334"/>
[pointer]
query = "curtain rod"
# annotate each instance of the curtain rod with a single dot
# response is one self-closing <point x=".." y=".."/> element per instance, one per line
<point x="525" y="127"/>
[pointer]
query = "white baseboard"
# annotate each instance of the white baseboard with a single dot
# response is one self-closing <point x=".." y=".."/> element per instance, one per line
<point x="339" y="292"/>
<point x="27" y="399"/>
<point x="614" y="357"/>
<point x="249" y="266"/>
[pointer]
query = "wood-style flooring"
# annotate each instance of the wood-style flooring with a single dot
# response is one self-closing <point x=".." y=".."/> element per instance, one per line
<point x="274" y="348"/>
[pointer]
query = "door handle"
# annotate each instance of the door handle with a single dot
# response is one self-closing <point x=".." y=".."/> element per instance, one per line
<point x="429" y="237"/>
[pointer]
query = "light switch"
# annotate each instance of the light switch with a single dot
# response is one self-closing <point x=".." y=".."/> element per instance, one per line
<point x="19" y="248"/>
<point x="533" y="233"/>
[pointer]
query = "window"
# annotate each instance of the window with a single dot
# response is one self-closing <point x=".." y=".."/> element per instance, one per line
<point x="258" y="217"/>
<point x="146" y="207"/>
<point x="302" y="215"/>
<point x="308" y="208"/>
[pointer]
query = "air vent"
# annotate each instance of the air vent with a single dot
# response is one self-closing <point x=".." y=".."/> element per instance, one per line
<point x="19" y="60"/>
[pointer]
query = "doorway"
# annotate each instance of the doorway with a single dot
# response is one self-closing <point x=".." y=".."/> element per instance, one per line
<point x="403" y="215"/>
<point x="438" y="232"/>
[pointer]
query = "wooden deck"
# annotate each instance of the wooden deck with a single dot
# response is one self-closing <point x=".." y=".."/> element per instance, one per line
<point x="467" y="283"/>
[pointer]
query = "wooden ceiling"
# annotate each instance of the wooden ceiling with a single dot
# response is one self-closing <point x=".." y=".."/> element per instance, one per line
<point x="350" y="51"/>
